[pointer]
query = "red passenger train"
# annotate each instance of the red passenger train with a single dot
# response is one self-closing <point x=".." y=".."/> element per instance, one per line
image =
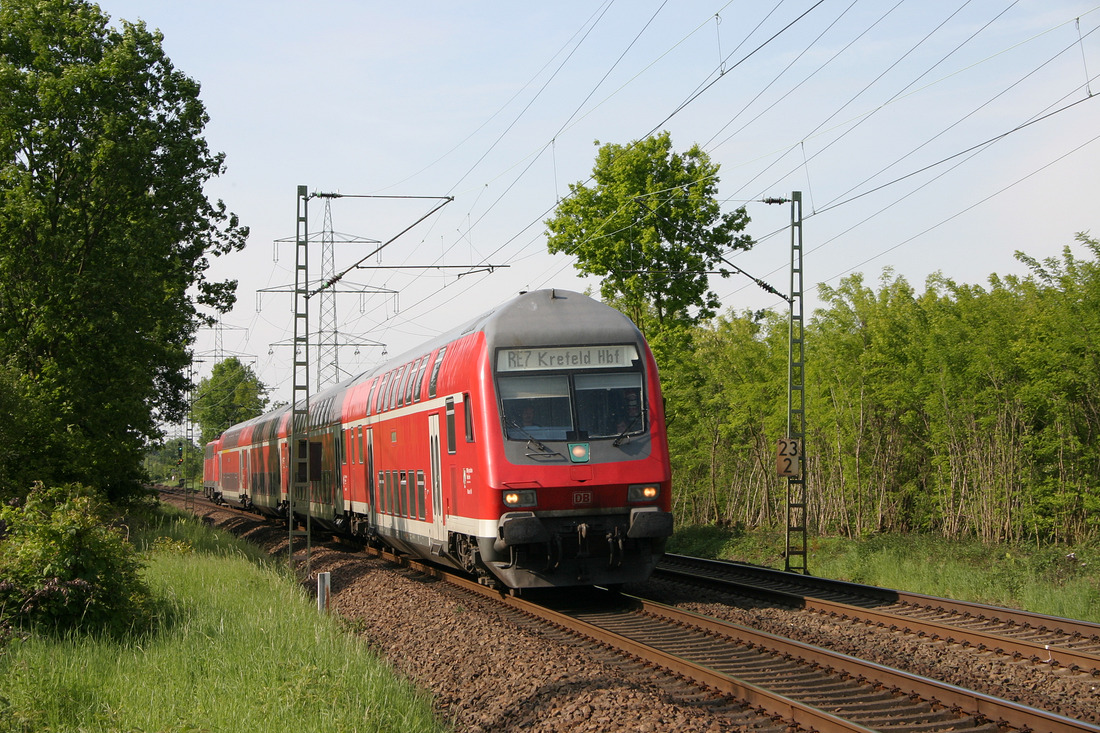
<point x="527" y="447"/>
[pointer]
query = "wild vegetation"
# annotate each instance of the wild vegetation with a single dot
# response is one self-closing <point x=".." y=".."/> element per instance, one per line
<point x="962" y="411"/>
<point x="223" y="613"/>
<point x="1057" y="580"/>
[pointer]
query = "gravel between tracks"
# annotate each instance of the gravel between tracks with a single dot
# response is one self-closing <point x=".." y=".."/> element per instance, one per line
<point x="487" y="673"/>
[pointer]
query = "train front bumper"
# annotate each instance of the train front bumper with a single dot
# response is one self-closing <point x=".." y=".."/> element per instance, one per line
<point x="532" y="551"/>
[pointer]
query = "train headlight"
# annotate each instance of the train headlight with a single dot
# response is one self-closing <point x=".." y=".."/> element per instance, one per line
<point x="643" y="492"/>
<point x="520" y="498"/>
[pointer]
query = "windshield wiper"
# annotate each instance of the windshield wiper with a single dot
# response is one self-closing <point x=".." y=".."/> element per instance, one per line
<point x="532" y="440"/>
<point x="622" y="436"/>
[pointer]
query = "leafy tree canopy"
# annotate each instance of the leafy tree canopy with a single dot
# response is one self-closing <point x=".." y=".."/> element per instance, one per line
<point x="105" y="230"/>
<point x="231" y="394"/>
<point x="651" y="226"/>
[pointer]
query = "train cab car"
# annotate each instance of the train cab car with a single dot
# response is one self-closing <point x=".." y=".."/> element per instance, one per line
<point x="577" y="490"/>
<point x="527" y="447"/>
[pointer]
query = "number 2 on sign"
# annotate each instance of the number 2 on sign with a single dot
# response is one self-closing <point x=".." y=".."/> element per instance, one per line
<point x="788" y="462"/>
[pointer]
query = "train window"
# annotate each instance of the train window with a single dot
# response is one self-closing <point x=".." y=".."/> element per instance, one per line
<point x="451" y="425"/>
<point x="379" y="398"/>
<point x="404" y="393"/>
<point x="361" y="451"/>
<point x="420" y="508"/>
<point x="405" y="398"/>
<point x="381" y="491"/>
<point x="395" y="383"/>
<point x="609" y="405"/>
<point x="403" y="495"/>
<point x="469" y="414"/>
<point x="435" y="371"/>
<point x="340" y="447"/>
<point x="370" y="394"/>
<point x="536" y="407"/>
<point x="410" y="386"/>
<point x="418" y="383"/>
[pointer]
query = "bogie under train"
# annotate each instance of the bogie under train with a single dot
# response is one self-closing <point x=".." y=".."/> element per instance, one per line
<point x="527" y="448"/>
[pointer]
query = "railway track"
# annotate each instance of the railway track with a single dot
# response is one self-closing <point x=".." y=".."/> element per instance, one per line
<point x="746" y="678"/>
<point x="806" y="686"/>
<point x="1047" y="640"/>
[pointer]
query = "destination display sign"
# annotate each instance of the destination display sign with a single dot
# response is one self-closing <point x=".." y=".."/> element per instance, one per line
<point x="568" y="357"/>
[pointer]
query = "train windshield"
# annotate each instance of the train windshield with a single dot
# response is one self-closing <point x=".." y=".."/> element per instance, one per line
<point x="609" y="405"/>
<point x="572" y="406"/>
<point x="536" y="407"/>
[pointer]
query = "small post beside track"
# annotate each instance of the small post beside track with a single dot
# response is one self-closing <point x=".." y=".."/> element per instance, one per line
<point x="323" y="584"/>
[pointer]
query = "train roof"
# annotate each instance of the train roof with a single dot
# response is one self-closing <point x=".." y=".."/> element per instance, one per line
<point x="548" y="317"/>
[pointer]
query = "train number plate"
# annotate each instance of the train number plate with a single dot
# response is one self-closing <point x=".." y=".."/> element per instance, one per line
<point x="581" y="498"/>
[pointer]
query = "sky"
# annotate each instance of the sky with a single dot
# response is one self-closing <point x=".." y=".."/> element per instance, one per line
<point x="924" y="136"/>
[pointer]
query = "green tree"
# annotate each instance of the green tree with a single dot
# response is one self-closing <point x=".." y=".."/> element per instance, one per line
<point x="651" y="226"/>
<point x="231" y="394"/>
<point x="23" y="430"/>
<point x="163" y="464"/>
<point x="105" y="231"/>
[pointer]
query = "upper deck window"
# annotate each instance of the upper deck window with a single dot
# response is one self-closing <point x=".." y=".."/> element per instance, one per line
<point x="435" y="371"/>
<point x="418" y="383"/>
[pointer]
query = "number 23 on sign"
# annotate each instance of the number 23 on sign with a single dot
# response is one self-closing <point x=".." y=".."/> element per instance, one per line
<point x="788" y="463"/>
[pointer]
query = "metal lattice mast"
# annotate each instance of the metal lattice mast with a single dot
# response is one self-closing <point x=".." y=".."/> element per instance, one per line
<point x="299" y="478"/>
<point x="188" y="492"/>
<point x="797" y="514"/>
<point x="219" y="341"/>
<point x="328" y="352"/>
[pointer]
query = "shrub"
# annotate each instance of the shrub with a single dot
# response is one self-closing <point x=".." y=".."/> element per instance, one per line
<point x="63" y="567"/>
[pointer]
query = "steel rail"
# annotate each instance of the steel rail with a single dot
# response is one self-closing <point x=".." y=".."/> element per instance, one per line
<point x="1036" y="651"/>
<point x="1038" y="621"/>
<point x="967" y="702"/>
<point x="996" y="709"/>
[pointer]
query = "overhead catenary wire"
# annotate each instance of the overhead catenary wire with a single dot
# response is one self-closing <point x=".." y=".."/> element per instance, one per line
<point x="522" y="241"/>
<point x="954" y="155"/>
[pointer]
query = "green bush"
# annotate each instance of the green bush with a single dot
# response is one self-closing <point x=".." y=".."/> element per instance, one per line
<point x="63" y="567"/>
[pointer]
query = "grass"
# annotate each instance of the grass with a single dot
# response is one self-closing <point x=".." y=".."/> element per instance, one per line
<point x="238" y="647"/>
<point x="1055" y="580"/>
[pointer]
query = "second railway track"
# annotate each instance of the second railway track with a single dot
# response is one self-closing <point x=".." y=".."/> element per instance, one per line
<point x="1038" y="638"/>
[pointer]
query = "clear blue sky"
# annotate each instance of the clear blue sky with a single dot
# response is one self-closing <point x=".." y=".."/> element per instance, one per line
<point x="856" y="104"/>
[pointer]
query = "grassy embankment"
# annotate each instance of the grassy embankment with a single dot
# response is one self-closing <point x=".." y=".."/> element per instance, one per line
<point x="238" y="647"/>
<point x="1055" y="580"/>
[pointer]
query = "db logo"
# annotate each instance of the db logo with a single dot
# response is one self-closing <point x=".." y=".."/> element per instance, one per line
<point x="582" y="497"/>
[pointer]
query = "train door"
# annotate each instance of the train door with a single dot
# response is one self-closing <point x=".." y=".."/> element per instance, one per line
<point x="436" y="479"/>
<point x="284" y="470"/>
<point x="370" y="470"/>
<point x="339" y="462"/>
